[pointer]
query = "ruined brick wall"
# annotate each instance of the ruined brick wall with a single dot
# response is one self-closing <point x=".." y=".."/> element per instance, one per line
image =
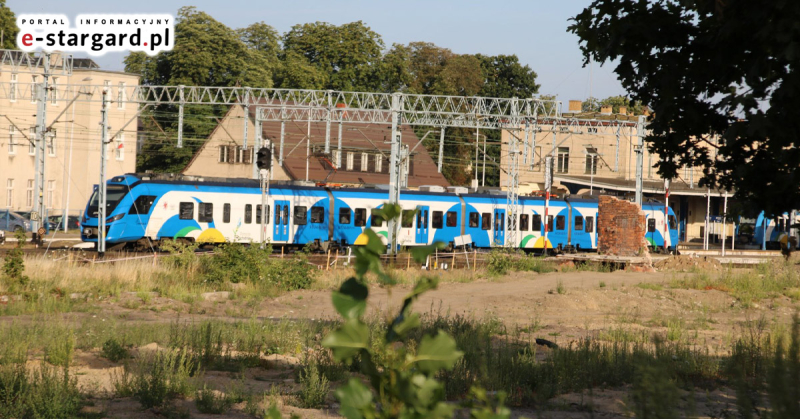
<point x="621" y="228"/>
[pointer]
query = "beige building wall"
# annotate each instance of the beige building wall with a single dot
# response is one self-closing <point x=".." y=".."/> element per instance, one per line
<point x="211" y="162"/>
<point x="73" y="161"/>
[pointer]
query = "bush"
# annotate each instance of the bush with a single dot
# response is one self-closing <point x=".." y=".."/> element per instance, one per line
<point x="314" y="387"/>
<point x="161" y="377"/>
<point x="236" y="262"/>
<point x="212" y="402"/>
<point x="114" y="351"/>
<point x="500" y="262"/>
<point x="46" y="392"/>
<point x="14" y="265"/>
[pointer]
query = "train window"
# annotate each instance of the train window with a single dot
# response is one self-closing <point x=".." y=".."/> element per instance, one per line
<point x="524" y="221"/>
<point x="578" y="223"/>
<point x="285" y="214"/>
<point x="267" y="215"/>
<point x="377" y="221"/>
<point x="560" y="222"/>
<point x="361" y="217"/>
<point x="258" y="214"/>
<point x="474" y="219"/>
<point x="537" y="222"/>
<point x="549" y="223"/>
<point x="486" y="221"/>
<point x="438" y="219"/>
<point x="186" y="210"/>
<point x="248" y="214"/>
<point x="651" y="225"/>
<point x="423" y="219"/>
<point x="498" y="222"/>
<point x="142" y="205"/>
<point x="408" y="218"/>
<point x="589" y="225"/>
<point x="673" y="224"/>
<point x="317" y="215"/>
<point x="226" y="213"/>
<point x="300" y="215"/>
<point x="344" y="215"/>
<point x="205" y="212"/>
<point x="451" y="218"/>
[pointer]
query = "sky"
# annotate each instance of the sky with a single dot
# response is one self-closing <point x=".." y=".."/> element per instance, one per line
<point x="534" y="30"/>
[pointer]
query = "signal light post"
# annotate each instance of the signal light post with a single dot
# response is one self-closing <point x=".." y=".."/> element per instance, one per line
<point x="264" y="163"/>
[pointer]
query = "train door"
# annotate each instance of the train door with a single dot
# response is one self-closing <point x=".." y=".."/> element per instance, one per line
<point x="422" y="224"/>
<point x="499" y="227"/>
<point x="280" y="227"/>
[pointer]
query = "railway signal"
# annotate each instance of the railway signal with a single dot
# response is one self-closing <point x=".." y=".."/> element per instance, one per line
<point x="264" y="158"/>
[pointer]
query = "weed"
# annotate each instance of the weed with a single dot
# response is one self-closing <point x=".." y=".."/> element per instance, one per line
<point x="60" y="349"/>
<point x="14" y="265"/>
<point x="654" y="394"/>
<point x="650" y="286"/>
<point x="44" y="392"/>
<point x="114" y="351"/>
<point x="500" y="262"/>
<point x="162" y="376"/>
<point x="602" y="284"/>
<point x="560" y="288"/>
<point x="314" y="387"/>
<point x="212" y="402"/>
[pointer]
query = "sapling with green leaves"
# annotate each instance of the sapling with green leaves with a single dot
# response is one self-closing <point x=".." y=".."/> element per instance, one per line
<point x="402" y="379"/>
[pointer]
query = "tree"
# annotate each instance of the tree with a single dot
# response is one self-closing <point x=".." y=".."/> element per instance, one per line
<point x="295" y="72"/>
<point x="8" y="27"/>
<point x="711" y="69"/>
<point x="460" y="76"/>
<point x="206" y="53"/>
<point x="348" y="54"/>
<point x="395" y="72"/>
<point x="592" y="104"/>
<point x="504" y="76"/>
<point x="425" y="63"/>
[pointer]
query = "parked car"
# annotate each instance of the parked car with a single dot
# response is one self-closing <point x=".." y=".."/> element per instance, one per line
<point x="55" y="222"/>
<point x="12" y="221"/>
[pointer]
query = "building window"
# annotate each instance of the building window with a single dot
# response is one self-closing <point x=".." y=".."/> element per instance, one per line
<point x="119" y="147"/>
<point x="29" y="195"/>
<point x="12" y="93"/>
<point x="591" y="161"/>
<point x="243" y="156"/>
<point x="9" y="193"/>
<point x="378" y="163"/>
<point x="563" y="160"/>
<point x="350" y="159"/>
<point x="335" y="158"/>
<point x="121" y="95"/>
<point x="12" y="145"/>
<point x="54" y="92"/>
<point x="51" y="144"/>
<point x="364" y="162"/>
<point x="34" y="88"/>
<point x="51" y="190"/>
<point x="32" y="141"/>
<point x="223" y="154"/>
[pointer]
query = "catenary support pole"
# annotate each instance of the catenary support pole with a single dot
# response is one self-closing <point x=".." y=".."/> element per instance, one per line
<point x="180" y="115"/>
<point x="283" y="135"/>
<point x="339" y="144"/>
<point x="724" y="221"/>
<point x="328" y="124"/>
<point x="394" y="170"/>
<point x="639" y="159"/>
<point x="441" y="148"/>
<point x="101" y="187"/>
<point x="40" y="152"/>
<point x="708" y="214"/>
<point x="666" y="216"/>
<point x="246" y="116"/>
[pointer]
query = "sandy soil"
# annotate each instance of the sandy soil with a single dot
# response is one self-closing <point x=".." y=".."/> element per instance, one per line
<point x="524" y="300"/>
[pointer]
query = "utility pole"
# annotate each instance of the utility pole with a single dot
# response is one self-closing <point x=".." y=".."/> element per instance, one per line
<point x="394" y="170"/>
<point x="441" y="147"/>
<point x="264" y="175"/>
<point x="101" y="187"/>
<point x="328" y="124"/>
<point x="548" y="187"/>
<point x="483" y="176"/>
<point x="339" y="145"/>
<point x="38" y="211"/>
<point x="182" y="100"/>
<point x="666" y="215"/>
<point x="477" y="146"/>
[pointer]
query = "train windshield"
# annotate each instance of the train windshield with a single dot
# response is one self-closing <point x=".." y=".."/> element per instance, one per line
<point x="114" y="194"/>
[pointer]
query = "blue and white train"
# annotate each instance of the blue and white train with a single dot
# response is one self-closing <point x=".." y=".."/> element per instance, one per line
<point x="767" y="231"/>
<point x="141" y="212"/>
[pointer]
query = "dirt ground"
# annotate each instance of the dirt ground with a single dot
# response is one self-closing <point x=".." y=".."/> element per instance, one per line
<point x="559" y="306"/>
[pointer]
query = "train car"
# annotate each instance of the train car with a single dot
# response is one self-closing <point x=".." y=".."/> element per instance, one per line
<point x="767" y="231"/>
<point x="142" y="211"/>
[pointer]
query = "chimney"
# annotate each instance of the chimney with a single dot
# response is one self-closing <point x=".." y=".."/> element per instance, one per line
<point x="575" y="105"/>
<point x="605" y="109"/>
<point x="623" y="110"/>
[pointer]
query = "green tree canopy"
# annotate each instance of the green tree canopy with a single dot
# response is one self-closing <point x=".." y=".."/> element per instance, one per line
<point x="504" y="76"/>
<point x="349" y="54"/>
<point x="711" y="69"/>
<point x="592" y="104"/>
<point x="8" y="27"/>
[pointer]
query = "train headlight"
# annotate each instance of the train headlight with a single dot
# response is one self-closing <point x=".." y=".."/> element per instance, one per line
<point x="115" y="218"/>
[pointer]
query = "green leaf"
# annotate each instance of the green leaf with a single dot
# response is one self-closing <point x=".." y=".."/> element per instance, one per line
<point x="351" y="299"/>
<point x="436" y="353"/>
<point x="387" y="212"/>
<point x="374" y="243"/>
<point x="356" y="400"/>
<point x="405" y="325"/>
<point x="421" y="253"/>
<point x="346" y="341"/>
